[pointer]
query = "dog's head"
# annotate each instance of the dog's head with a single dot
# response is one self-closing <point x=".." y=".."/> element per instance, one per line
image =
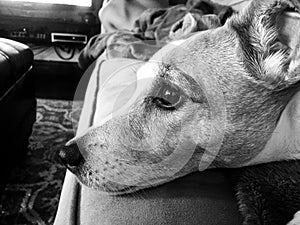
<point x="211" y="101"/>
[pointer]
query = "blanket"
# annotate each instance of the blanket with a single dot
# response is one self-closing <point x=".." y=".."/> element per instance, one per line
<point x="265" y="194"/>
<point x="154" y="29"/>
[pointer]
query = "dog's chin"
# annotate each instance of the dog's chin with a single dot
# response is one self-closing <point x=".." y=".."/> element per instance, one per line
<point x="108" y="187"/>
<point x="116" y="183"/>
<point x="111" y="188"/>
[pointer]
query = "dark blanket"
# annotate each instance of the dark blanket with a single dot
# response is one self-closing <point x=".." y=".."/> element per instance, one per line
<point x="266" y="194"/>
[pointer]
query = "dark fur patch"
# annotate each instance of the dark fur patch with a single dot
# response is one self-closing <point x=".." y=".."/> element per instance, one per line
<point x="268" y="194"/>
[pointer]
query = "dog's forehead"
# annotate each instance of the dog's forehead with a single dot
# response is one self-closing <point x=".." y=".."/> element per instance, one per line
<point x="207" y="53"/>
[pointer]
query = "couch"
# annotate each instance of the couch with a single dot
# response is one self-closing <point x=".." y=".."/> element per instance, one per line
<point x="17" y="103"/>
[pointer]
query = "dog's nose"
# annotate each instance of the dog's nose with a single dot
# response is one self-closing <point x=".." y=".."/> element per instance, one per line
<point x="70" y="155"/>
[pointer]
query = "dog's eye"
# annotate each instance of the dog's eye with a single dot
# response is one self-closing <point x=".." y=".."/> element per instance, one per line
<point x="168" y="97"/>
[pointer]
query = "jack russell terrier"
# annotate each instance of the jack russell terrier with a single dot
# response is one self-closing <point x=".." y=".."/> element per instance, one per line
<point x="226" y="97"/>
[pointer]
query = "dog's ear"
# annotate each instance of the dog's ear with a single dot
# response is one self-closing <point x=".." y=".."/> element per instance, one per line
<point x="269" y="40"/>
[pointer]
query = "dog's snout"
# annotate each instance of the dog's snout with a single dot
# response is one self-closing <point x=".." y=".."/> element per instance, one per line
<point x="70" y="155"/>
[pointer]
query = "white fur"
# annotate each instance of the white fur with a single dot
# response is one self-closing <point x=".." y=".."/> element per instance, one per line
<point x="285" y="141"/>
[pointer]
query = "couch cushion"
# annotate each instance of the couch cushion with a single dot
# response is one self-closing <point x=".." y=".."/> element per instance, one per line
<point x="199" y="198"/>
<point x="15" y="59"/>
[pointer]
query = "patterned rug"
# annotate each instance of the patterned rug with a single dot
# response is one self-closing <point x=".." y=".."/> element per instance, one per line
<point x="32" y="194"/>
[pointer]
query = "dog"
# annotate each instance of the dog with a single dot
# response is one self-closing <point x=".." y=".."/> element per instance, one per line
<point x="227" y="97"/>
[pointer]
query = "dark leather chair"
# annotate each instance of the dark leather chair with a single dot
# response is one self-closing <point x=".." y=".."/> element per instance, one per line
<point x="17" y="103"/>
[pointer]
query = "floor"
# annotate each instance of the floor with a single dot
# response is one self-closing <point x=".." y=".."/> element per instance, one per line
<point x="32" y="193"/>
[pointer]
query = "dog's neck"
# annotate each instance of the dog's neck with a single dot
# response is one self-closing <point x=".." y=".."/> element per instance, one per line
<point x="284" y="143"/>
